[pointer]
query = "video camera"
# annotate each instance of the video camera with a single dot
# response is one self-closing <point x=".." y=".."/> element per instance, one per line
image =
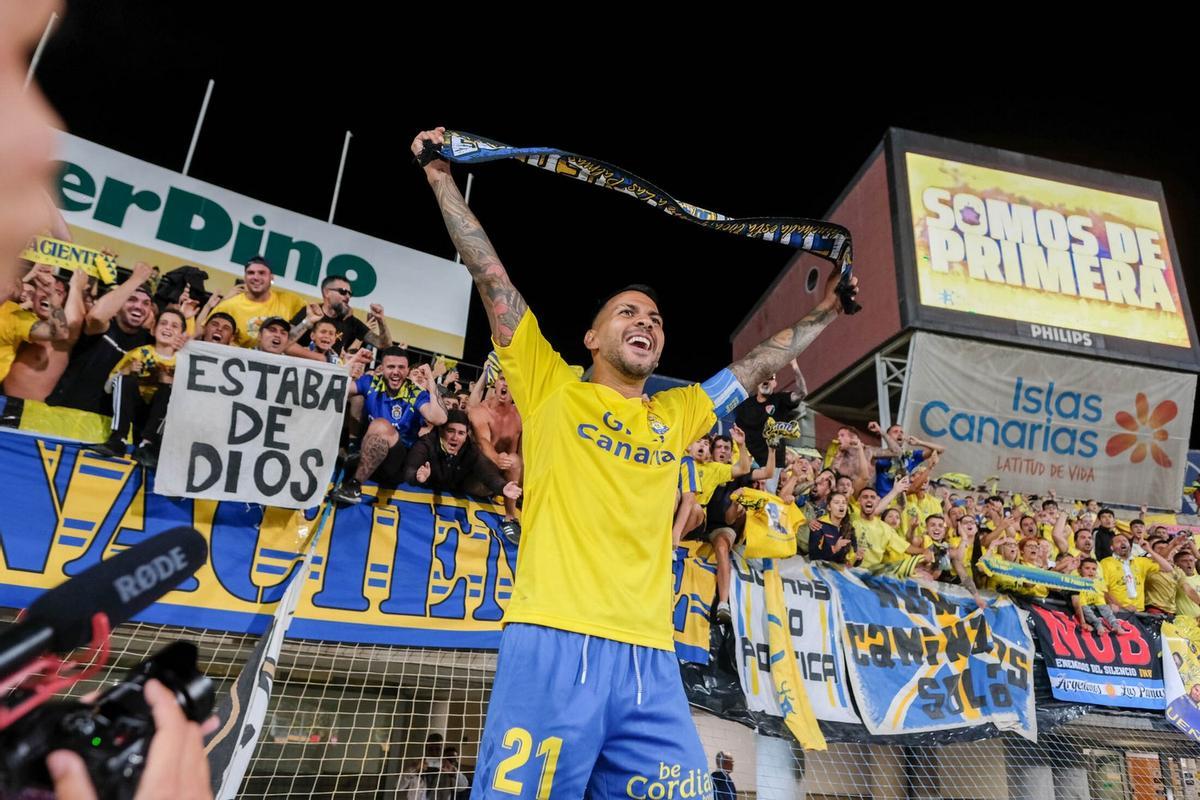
<point x="112" y="733"/>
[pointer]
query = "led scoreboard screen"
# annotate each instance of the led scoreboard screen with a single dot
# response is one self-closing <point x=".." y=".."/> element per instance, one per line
<point x="1011" y="247"/>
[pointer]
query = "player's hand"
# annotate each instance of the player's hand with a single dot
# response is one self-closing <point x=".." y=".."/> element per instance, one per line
<point x="830" y="301"/>
<point x="873" y="427"/>
<point x="512" y="490"/>
<point x="504" y="460"/>
<point x="437" y="168"/>
<point x="737" y="434"/>
<point x="423" y="472"/>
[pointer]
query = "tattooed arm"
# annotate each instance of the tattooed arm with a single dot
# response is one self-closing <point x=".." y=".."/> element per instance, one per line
<point x="773" y="354"/>
<point x="501" y="300"/>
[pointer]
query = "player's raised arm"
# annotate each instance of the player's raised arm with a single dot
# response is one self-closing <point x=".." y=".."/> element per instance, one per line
<point x="772" y="355"/>
<point x="501" y="300"/>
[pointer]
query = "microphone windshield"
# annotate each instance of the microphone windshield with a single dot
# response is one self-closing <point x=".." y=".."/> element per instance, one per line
<point x="120" y="587"/>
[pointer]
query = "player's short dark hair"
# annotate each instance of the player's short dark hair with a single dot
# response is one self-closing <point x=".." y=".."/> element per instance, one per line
<point x="328" y="279"/>
<point x="259" y="260"/>
<point x="633" y="287"/>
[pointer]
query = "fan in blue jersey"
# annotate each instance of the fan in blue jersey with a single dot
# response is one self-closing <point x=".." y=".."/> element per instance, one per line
<point x="397" y="403"/>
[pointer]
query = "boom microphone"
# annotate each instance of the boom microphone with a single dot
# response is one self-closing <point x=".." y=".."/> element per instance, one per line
<point x="122" y="586"/>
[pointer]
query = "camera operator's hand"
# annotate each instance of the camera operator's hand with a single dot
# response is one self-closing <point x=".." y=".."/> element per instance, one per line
<point x="176" y="768"/>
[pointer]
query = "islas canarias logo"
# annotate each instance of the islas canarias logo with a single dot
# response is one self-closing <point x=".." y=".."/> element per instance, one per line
<point x="1145" y="431"/>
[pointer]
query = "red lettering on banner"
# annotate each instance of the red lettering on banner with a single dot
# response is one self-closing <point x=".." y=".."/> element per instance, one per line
<point x="1063" y="632"/>
<point x="1100" y="648"/>
<point x="1135" y="650"/>
<point x="1128" y="648"/>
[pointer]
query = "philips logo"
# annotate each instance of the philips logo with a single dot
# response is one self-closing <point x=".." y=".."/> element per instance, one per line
<point x="1049" y="333"/>
<point x="147" y="576"/>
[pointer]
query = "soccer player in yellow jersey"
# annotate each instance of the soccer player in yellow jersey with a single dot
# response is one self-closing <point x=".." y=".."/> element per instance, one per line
<point x="587" y="696"/>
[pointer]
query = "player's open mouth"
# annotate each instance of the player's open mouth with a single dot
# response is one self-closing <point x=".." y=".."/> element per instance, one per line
<point x="640" y="342"/>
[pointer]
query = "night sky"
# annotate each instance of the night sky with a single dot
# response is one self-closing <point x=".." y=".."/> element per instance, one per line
<point x="780" y="133"/>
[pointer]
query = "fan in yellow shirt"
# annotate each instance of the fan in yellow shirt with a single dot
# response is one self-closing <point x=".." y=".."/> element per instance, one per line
<point x="47" y="322"/>
<point x="1189" y="588"/>
<point x="710" y="473"/>
<point x="1125" y="574"/>
<point x="880" y="548"/>
<point x="918" y="506"/>
<point x="587" y="665"/>
<point x="258" y="302"/>
<point x="140" y="385"/>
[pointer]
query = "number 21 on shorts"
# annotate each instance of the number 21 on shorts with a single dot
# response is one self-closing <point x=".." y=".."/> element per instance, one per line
<point x="520" y="742"/>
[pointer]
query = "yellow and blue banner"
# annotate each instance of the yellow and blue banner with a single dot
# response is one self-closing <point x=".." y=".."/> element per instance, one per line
<point x="1181" y="674"/>
<point x="995" y="565"/>
<point x="814" y="625"/>
<point x="71" y="256"/>
<point x="414" y="568"/>
<point x="790" y="691"/>
<point x="695" y="582"/>
<point x="925" y="657"/>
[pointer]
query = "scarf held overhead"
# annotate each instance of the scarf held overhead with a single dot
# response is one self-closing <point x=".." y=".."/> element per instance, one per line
<point x="826" y="240"/>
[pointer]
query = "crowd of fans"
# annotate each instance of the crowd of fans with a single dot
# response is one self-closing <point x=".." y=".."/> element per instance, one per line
<point x="69" y="341"/>
<point x="876" y="508"/>
<point x="66" y="341"/>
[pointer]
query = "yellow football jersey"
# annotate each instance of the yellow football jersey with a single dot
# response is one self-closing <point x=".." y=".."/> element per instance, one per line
<point x="601" y="472"/>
